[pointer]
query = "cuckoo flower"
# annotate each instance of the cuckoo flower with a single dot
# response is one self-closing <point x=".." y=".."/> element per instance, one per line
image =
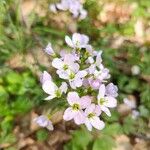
<point x="49" y="50"/>
<point x="65" y="63"/>
<point x="111" y="90"/>
<point x="104" y="101"/>
<point x="50" y="88"/>
<point x="76" y="79"/>
<point x="76" y="105"/>
<point x="45" y="77"/>
<point x="43" y="121"/>
<point x="92" y="114"/>
<point x="78" y="41"/>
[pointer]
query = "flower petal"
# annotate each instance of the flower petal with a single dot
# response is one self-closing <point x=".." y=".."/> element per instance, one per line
<point x="79" y="118"/>
<point x="88" y="124"/>
<point x="50" y="97"/>
<point x="90" y="109"/>
<point x="97" y="110"/>
<point x="106" y="110"/>
<point x="69" y="114"/>
<point x="85" y="101"/>
<point x="97" y="123"/>
<point x="45" y="76"/>
<point x="111" y="102"/>
<point x="72" y="98"/>
<point x="69" y="41"/>
<point x="64" y="87"/>
<point x="101" y="91"/>
<point x="57" y="63"/>
<point x="50" y="126"/>
<point x="49" y="87"/>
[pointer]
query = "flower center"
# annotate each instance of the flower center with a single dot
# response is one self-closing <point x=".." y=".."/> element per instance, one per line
<point x="91" y="115"/>
<point x="65" y="67"/>
<point x="102" y="101"/>
<point x="72" y="75"/>
<point x="75" y="107"/>
<point x="58" y="93"/>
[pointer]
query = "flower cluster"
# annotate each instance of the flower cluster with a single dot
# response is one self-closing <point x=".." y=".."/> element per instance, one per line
<point x="74" y="6"/>
<point x="84" y="83"/>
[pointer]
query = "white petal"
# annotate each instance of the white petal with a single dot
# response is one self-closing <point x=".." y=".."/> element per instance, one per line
<point x="64" y="87"/>
<point x="49" y="87"/>
<point x="50" y="97"/>
<point x="111" y="102"/>
<point x="101" y="91"/>
<point x="49" y="50"/>
<point x="81" y="74"/>
<point x="57" y="63"/>
<point x="69" y="114"/>
<point x="69" y="41"/>
<point x="97" y="110"/>
<point x="90" y="109"/>
<point x="76" y="38"/>
<point x="99" y="59"/>
<point x="50" y="126"/>
<point x="62" y="74"/>
<point x="85" y="101"/>
<point x="45" y="76"/>
<point x="72" y="98"/>
<point x="97" y="123"/>
<point x="79" y="118"/>
<point x="77" y="82"/>
<point x="106" y="110"/>
<point x="88" y="124"/>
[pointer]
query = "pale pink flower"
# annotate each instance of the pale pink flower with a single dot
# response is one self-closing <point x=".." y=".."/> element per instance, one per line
<point x="104" y="101"/>
<point x="92" y="114"/>
<point x="51" y="88"/>
<point x="77" y="41"/>
<point x="45" y="76"/>
<point x="76" y="79"/>
<point x="76" y="105"/>
<point x="111" y="90"/>
<point x="43" y="121"/>
<point x="49" y="50"/>
<point x="65" y="63"/>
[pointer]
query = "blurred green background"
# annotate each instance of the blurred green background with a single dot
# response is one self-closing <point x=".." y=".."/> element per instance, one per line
<point x="121" y="28"/>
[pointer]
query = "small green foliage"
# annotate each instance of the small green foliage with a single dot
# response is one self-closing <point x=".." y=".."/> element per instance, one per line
<point x="41" y="135"/>
<point x="104" y="143"/>
<point x="80" y="141"/>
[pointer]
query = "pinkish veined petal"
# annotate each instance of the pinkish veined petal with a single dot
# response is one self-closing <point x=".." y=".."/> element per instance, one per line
<point x="72" y="98"/>
<point x="101" y="91"/>
<point x="76" y="38"/>
<point x="97" y="123"/>
<point x="90" y="109"/>
<point x="57" y="63"/>
<point x="69" y="41"/>
<point x="63" y="87"/>
<point x="69" y="114"/>
<point x="97" y="110"/>
<point x="45" y="76"/>
<point x="106" y="110"/>
<point x="50" y="97"/>
<point x="50" y="126"/>
<point x="88" y="124"/>
<point x="77" y="82"/>
<point x="111" y="102"/>
<point x="99" y="59"/>
<point x="49" y="87"/>
<point x="79" y="118"/>
<point x="81" y="74"/>
<point x="85" y="101"/>
<point x="62" y="74"/>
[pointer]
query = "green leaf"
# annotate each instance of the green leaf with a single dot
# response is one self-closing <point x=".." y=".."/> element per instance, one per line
<point x="42" y="135"/>
<point x="104" y="143"/>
